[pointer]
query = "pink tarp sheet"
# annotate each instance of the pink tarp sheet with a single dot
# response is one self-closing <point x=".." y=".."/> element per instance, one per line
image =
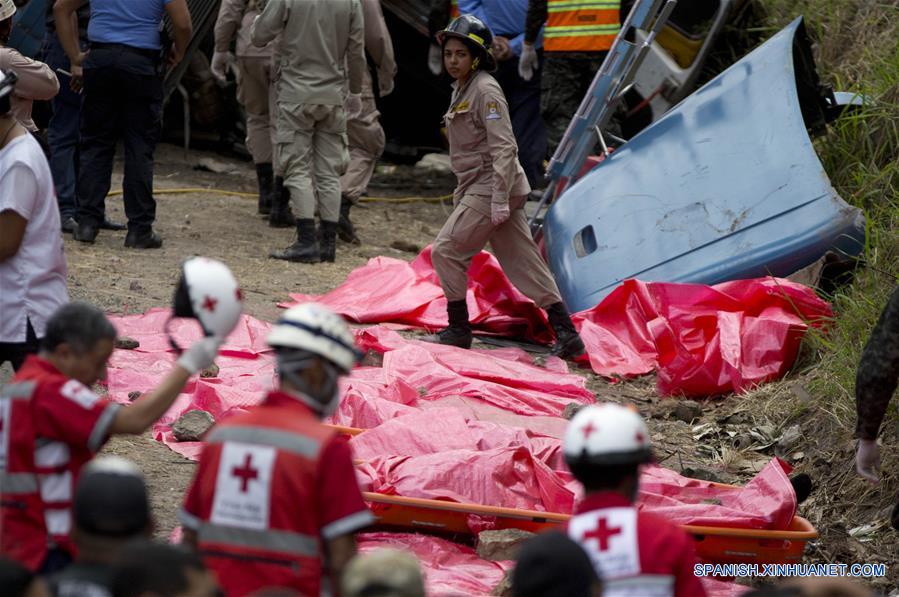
<point x="440" y="424"/>
<point x="702" y="340"/>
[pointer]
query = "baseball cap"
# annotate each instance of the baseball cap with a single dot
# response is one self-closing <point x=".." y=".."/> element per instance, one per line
<point x="551" y="565"/>
<point x="111" y="498"/>
<point x="383" y="573"/>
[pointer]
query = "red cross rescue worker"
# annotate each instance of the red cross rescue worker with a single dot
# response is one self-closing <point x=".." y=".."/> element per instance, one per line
<point x="275" y="493"/>
<point x="364" y="132"/>
<point x="52" y="423"/>
<point x="254" y="84"/>
<point x="491" y="191"/>
<point x="635" y="553"/>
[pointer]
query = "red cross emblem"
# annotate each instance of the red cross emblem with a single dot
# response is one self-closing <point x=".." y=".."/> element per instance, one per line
<point x="588" y="429"/>
<point x="209" y="303"/>
<point x="639" y="437"/>
<point x="246" y="473"/>
<point x="602" y="533"/>
<point x="239" y="294"/>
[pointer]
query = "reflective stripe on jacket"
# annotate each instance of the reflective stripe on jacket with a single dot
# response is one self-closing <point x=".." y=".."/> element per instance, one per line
<point x="581" y="25"/>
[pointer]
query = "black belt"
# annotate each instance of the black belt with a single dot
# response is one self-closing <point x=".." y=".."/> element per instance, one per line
<point x="152" y="54"/>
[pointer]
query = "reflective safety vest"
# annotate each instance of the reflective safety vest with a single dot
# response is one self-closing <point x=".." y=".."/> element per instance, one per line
<point x="581" y="25"/>
<point x="454" y="9"/>
<point x="22" y="527"/>
<point x="263" y="499"/>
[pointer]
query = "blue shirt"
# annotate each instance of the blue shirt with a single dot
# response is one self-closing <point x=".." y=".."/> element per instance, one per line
<point x="130" y="22"/>
<point x="504" y="17"/>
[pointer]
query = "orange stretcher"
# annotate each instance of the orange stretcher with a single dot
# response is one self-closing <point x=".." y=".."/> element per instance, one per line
<point x="714" y="545"/>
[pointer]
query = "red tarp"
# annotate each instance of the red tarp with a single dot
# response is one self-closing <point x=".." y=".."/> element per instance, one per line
<point x="472" y="426"/>
<point x="702" y="340"/>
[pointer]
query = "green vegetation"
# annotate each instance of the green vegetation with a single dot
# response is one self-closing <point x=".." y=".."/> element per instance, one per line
<point x="856" y="46"/>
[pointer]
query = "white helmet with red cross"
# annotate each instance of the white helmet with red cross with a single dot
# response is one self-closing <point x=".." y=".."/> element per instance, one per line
<point x="7" y="9"/>
<point x="208" y="291"/>
<point x="606" y="435"/>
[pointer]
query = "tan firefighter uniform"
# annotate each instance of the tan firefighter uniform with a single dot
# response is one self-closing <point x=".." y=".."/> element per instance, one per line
<point x="484" y="158"/>
<point x="364" y="131"/>
<point x="317" y="38"/>
<point x="37" y="81"/>
<point x="254" y="79"/>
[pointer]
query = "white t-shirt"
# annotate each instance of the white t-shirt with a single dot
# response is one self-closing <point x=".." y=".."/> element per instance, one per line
<point x="33" y="281"/>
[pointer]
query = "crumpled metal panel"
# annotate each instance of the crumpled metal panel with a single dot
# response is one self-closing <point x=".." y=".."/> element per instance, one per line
<point x="726" y="186"/>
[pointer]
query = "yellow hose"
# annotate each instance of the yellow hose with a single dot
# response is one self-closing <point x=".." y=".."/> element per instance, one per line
<point x="439" y="199"/>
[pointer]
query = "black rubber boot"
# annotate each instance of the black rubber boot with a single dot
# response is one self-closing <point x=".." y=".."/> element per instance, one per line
<point x="305" y="249"/>
<point x="458" y="333"/>
<point x="568" y="342"/>
<point x="329" y="241"/>
<point x="264" y="177"/>
<point x="345" y="229"/>
<point x="281" y="216"/>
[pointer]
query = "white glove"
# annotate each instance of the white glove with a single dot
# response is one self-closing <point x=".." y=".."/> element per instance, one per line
<point x="528" y="62"/>
<point x="221" y="62"/>
<point x="499" y="213"/>
<point x="385" y="85"/>
<point x="201" y="355"/>
<point x="435" y="60"/>
<point x="867" y="460"/>
<point x="353" y="106"/>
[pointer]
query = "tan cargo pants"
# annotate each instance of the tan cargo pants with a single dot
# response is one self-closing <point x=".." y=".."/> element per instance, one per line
<point x="254" y="87"/>
<point x="468" y="230"/>
<point x="312" y="151"/>
<point x="366" y="139"/>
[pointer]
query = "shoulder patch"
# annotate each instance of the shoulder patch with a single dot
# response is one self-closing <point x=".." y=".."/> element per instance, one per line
<point x="78" y="393"/>
<point x="492" y="111"/>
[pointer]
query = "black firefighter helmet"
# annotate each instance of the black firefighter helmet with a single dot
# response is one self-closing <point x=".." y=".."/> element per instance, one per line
<point x="476" y="36"/>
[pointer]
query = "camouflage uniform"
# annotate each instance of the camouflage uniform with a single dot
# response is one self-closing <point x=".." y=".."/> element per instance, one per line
<point x="878" y="371"/>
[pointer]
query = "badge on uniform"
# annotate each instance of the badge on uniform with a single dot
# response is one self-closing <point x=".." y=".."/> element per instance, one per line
<point x="461" y="106"/>
<point x="492" y="111"/>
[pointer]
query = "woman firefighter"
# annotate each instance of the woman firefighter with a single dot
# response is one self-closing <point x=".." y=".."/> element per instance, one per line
<point x="491" y="192"/>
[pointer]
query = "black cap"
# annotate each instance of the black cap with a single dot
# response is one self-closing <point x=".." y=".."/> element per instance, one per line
<point x="550" y="565"/>
<point x="111" y="499"/>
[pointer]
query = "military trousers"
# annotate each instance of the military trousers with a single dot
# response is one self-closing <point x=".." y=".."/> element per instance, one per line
<point x="312" y="151"/>
<point x="254" y="87"/>
<point x="366" y="142"/>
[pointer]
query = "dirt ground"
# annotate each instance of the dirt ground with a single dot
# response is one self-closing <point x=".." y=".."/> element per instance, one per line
<point x="729" y="441"/>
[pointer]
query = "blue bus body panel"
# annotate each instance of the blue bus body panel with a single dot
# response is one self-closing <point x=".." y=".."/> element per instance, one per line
<point x="726" y="186"/>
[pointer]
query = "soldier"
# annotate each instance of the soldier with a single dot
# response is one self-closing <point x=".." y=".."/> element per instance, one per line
<point x="576" y="40"/>
<point x="321" y="46"/>
<point x="253" y="84"/>
<point x="875" y="382"/>
<point x="490" y="194"/>
<point x="364" y="131"/>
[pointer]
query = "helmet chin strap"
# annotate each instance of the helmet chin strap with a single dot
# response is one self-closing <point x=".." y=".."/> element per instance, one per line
<point x="325" y="398"/>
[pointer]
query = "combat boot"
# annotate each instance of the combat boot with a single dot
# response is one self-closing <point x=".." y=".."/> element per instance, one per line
<point x="305" y="249"/>
<point x="458" y="333"/>
<point x="264" y="176"/>
<point x="281" y="216"/>
<point x="568" y="342"/>
<point x="345" y="229"/>
<point x="329" y="241"/>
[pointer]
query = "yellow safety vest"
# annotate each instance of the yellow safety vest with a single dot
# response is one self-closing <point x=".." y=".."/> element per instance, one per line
<point x="581" y="25"/>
